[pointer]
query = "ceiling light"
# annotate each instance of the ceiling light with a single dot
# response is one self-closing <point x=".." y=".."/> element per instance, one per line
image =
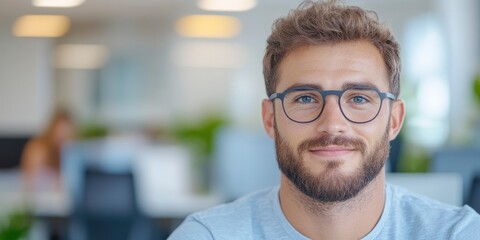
<point x="208" y="26"/>
<point x="224" y="5"/>
<point x="57" y="3"/>
<point x="41" y="26"/>
<point x="81" y="56"/>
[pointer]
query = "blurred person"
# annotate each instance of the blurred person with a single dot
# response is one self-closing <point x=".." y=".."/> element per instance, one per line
<point x="40" y="162"/>
<point x="332" y="74"/>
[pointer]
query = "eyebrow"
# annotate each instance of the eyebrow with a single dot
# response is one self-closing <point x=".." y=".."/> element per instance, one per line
<point x="358" y="84"/>
<point x="344" y="86"/>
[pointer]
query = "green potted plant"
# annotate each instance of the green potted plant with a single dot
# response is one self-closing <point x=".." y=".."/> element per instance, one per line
<point x="16" y="225"/>
<point x="476" y="88"/>
<point x="199" y="137"/>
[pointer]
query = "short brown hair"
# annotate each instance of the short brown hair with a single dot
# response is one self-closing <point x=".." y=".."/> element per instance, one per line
<point x="314" y="23"/>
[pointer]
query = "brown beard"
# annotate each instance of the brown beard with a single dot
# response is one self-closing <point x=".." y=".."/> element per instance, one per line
<point x="331" y="186"/>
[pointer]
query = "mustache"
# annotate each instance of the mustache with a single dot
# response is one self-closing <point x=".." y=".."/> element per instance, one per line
<point x="327" y="139"/>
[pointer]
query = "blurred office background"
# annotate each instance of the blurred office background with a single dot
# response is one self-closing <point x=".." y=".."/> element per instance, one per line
<point x="166" y="96"/>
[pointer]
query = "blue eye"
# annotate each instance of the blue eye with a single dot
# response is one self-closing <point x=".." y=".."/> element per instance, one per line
<point x="359" y="99"/>
<point x="306" y="99"/>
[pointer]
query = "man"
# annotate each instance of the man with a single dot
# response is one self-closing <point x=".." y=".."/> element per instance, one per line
<point x="332" y="75"/>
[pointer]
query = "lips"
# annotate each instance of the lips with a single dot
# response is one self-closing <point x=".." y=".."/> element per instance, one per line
<point x="332" y="150"/>
<point x="326" y="145"/>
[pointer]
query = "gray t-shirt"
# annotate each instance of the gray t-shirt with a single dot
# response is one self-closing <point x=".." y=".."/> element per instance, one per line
<point x="259" y="216"/>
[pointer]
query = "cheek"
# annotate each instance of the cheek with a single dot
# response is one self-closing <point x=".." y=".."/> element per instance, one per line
<point x="373" y="131"/>
<point x="291" y="132"/>
<point x="294" y="134"/>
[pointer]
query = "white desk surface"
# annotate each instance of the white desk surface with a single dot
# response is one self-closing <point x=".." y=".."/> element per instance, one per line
<point x="55" y="203"/>
<point x="45" y="202"/>
<point x="444" y="187"/>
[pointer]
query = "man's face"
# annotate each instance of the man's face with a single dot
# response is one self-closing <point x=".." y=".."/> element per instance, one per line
<point x="332" y="159"/>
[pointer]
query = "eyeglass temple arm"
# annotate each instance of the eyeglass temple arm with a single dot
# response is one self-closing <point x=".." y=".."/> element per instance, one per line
<point x="390" y="95"/>
<point x="275" y="95"/>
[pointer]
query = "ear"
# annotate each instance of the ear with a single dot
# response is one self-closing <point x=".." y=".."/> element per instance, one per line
<point x="396" y="118"/>
<point x="268" y="115"/>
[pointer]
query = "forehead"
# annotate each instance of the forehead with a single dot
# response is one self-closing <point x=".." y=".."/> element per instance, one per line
<point x="333" y="65"/>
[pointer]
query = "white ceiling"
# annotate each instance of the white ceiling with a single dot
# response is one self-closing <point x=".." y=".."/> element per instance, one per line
<point x="101" y="10"/>
<point x="104" y="10"/>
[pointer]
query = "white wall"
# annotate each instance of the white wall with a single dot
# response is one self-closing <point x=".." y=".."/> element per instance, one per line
<point x="25" y="83"/>
<point x="462" y="21"/>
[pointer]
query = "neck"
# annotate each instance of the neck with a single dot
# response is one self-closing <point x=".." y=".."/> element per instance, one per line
<point x="319" y="220"/>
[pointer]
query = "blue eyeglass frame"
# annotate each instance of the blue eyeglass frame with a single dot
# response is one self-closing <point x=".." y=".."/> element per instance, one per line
<point x="325" y="93"/>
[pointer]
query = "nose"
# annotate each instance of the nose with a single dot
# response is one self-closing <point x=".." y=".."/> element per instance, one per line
<point x="331" y="120"/>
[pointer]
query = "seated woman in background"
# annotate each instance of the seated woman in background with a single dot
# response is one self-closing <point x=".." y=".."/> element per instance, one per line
<point x="40" y="162"/>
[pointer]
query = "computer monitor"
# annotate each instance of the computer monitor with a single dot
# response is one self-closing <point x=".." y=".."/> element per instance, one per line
<point x="11" y="148"/>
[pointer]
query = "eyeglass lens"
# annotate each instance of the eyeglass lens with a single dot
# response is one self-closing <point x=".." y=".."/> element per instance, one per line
<point x="357" y="105"/>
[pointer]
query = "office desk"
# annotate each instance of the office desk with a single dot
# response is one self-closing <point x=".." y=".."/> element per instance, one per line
<point x="444" y="187"/>
<point x="52" y="209"/>
<point x="45" y="202"/>
<point x="52" y="203"/>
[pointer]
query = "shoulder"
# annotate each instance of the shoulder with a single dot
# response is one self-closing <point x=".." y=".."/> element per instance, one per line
<point x="416" y="213"/>
<point x="232" y="219"/>
<point x="411" y="203"/>
<point x="242" y="208"/>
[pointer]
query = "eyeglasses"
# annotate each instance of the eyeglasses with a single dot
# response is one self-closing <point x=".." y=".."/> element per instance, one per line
<point x="357" y="104"/>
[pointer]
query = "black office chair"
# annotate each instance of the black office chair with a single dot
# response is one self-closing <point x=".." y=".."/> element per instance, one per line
<point x="474" y="199"/>
<point x="108" y="208"/>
